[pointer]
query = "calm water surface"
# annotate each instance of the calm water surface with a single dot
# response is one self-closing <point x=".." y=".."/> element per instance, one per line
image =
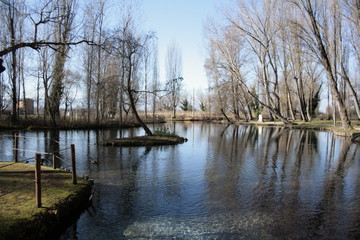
<point x="226" y="182"/>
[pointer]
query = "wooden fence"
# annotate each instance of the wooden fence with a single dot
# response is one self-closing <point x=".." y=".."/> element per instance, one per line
<point x="38" y="162"/>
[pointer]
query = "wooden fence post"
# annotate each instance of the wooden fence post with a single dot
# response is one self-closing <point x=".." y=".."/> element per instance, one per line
<point x="73" y="163"/>
<point x="54" y="160"/>
<point x="38" y="179"/>
<point x="54" y="157"/>
<point x="16" y="147"/>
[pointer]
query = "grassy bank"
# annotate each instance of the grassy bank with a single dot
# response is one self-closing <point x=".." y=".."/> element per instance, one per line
<point x="62" y="201"/>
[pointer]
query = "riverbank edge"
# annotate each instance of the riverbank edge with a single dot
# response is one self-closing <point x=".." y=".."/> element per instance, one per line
<point x="353" y="134"/>
<point x="52" y="222"/>
<point x="338" y="131"/>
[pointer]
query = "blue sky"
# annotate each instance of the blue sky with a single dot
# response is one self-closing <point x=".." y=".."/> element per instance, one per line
<point x="182" y="21"/>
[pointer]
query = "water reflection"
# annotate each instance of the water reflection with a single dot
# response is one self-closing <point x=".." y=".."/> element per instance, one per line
<point x="226" y="182"/>
<point x="283" y="173"/>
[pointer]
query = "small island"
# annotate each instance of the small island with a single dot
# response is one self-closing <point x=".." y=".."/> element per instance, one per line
<point x="147" y="141"/>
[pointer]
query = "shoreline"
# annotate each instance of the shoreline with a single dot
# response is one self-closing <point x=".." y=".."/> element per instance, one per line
<point x="353" y="134"/>
<point x="319" y="125"/>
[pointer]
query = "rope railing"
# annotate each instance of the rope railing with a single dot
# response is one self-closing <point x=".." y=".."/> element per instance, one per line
<point x="39" y="138"/>
<point x="64" y="149"/>
<point x="17" y="149"/>
<point x="38" y="162"/>
<point x="15" y="189"/>
<point x="26" y="160"/>
<point x="33" y="151"/>
<point x="26" y="185"/>
<point x="7" y="165"/>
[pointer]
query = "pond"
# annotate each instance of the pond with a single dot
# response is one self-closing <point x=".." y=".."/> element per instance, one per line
<point x="226" y="182"/>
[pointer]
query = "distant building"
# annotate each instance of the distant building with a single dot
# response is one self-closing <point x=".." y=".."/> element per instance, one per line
<point x="26" y="106"/>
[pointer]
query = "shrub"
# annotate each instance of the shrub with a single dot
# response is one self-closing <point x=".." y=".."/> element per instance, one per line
<point x="164" y="131"/>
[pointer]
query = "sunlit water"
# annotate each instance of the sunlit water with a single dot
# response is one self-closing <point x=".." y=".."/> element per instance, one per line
<point x="226" y="182"/>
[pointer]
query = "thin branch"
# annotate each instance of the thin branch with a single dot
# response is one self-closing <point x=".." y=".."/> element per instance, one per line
<point x="38" y="45"/>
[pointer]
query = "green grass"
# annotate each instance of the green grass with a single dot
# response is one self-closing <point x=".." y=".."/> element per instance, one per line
<point x="17" y="193"/>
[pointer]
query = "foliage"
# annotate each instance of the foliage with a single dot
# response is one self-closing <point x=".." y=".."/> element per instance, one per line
<point x="185" y="105"/>
<point x="202" y="106"/>
<point x="164" y="131"/>
<point x="255" y="106"/>
<point x="315" y="102"/>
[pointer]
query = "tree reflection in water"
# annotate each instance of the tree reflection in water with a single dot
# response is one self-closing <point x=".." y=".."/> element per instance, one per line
<point x="226" y="182"/>
<point x="284" y="174"/>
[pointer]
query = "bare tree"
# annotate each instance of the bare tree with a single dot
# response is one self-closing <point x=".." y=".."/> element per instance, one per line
<point x="129" y="45"/>
<point x="134" y="46"/>
<point x="351" y="15"/>
<point x="224" y="68"/>
<point x="13" y="18"/>
<point x="45" y="73"/>
<point x="285" y="53"/>
<point x="285" y="47"/>
<point x="91" y="19"/>
<point x="147" y="62"/>
<point x="174" y="75"/>
<point x="256" y="23"/>
<point x="248" y="37"/>
<point x="65" y="9"/>
<point x="3" y="95"/>
<point x="317" y="39"/>
<point x="71" y="85"/>
<point x="38" y="16"/>
<point x="155" y="77"/>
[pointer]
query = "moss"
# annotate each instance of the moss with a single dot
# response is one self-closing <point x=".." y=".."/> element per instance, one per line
<point x="62" y="201"/>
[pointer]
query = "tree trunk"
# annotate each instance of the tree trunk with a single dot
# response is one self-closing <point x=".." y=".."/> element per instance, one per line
<point x="345" y="121"/>
<point x="356" y="98"/>
<point x="173" y="109"/>
<point x="300" y="90"/>
<point x="14" y="115"/>
<point x="57" y="87"/>
<point x="288" y="100"/>
<point x="224" y="114"/>
<point x="89" y="73"/>
<point x="267" y="91"/>
<point x="132" y="102"/>
<point x="98" y="84"/>
<point x="269" y="108"/>
<point x="63" y="34"/>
